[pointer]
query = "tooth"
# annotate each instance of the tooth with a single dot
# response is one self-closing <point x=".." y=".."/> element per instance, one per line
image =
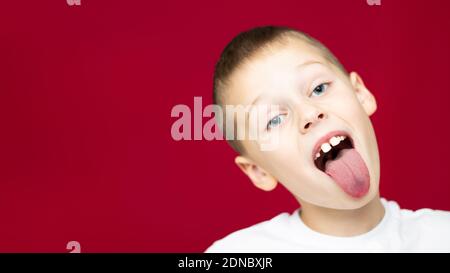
<point x="343" y="137"/>
<point x="317" y="155"/>
<point x="335" y="140"/>
<point x="326" y="147"/>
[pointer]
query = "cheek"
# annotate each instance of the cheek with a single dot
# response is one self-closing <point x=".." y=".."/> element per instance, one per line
<point x="288" y="164"/>
<point x="352" y="113"/>
<point x="346" y="105"/>
<point x="275" y="161"/>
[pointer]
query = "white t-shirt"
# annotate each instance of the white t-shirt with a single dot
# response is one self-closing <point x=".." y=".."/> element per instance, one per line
<point x="400" y="230"/>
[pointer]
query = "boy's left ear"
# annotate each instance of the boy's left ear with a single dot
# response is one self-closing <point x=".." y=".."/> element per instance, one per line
<point x="363" y="94"/>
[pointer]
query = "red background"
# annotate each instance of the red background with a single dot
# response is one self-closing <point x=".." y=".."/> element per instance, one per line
<point x="85" y="99"/>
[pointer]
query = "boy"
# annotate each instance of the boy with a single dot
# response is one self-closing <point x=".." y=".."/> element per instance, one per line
<point x="326" y="153"/>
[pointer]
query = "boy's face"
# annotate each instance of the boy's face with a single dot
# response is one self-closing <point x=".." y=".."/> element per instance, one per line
<point x="314" y="99"/>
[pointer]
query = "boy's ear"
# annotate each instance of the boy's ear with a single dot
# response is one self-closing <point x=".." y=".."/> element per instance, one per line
<point x="260" y="178"/>
<point x="365" y="97"/>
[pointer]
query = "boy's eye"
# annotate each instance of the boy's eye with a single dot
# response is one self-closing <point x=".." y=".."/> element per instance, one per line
<point x="275" y="122"/>
<point x="320" y="89"/>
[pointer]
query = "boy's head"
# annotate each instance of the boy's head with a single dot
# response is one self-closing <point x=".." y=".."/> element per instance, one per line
<point x="326" y="152"/>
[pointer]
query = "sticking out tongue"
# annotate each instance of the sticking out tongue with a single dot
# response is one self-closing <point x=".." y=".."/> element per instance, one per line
<point x="350" y="172"/>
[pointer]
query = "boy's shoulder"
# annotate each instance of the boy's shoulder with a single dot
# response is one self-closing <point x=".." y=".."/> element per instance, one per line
<point x="427" y="219"/>
<point x="254" y="238"/>
<point x="428" y="227"/>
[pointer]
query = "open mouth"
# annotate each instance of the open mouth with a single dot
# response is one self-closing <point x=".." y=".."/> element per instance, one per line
<point x="335" y="155"/>
<point x="331" y="149"/>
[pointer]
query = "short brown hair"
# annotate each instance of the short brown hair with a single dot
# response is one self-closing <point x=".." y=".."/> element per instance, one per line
<point x="244" y="46"/>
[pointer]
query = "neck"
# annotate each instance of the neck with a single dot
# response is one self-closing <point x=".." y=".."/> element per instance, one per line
<point x="344" y="223"/>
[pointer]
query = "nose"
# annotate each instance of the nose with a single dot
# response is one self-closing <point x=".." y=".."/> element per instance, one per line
<point x="311" y="116"/>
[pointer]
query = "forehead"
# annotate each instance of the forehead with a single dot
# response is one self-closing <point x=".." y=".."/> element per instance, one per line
<point x="272" y="69"/>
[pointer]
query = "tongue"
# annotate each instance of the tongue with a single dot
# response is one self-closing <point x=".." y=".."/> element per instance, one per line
<point x="349" y="171"/>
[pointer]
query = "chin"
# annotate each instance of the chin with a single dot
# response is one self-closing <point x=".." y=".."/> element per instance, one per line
<point x="347" y="202"/>
<point x="340" y="200"/>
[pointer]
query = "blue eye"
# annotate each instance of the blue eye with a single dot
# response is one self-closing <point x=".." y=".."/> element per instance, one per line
<point x="275" y="122"/>
<point x="320" y="89"/>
